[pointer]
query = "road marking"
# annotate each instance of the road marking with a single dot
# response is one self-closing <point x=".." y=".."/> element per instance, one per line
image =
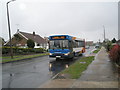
<point x="55" y="76"/>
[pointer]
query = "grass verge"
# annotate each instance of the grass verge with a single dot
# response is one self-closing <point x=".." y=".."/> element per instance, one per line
<point x="96" y="51"/>
<point x="16" y="58"/>
<point x="8" y="57"/>
<point x="75" y="70"/>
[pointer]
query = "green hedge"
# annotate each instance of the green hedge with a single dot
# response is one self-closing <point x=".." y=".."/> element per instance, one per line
<point x="17" y="50"/>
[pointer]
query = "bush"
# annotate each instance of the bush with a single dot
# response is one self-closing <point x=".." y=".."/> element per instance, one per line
<point x="108" y="45"/>
<point x="16" y="50"/>
<point x="5" y="50"/>
<point x="30" y="43"/>
<point x="39" y="50"/>
<point x="115" y="54"/>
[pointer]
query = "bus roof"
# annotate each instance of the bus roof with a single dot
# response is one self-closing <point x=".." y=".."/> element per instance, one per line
<point x="78" y="39"/>
<point x="59" y="35"/>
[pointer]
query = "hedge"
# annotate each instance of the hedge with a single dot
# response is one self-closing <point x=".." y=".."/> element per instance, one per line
<point x="17" y="50"/>
<point x="115" y="54"/>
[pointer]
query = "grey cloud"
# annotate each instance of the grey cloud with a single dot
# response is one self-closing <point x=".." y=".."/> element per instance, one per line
<point x="84" y="20"/>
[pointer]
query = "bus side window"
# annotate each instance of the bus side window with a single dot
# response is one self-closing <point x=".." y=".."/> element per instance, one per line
<point x="76" y="44"/>
<point x="70" y="44"/>
<point x="73" y="44"/>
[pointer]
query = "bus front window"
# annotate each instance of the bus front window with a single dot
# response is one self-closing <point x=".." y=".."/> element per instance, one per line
<point x="59" y="44"/>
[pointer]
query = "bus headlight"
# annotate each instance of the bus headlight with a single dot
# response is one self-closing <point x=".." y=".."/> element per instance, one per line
<point x="50" y="53"/>
<point x="66" y="53"/>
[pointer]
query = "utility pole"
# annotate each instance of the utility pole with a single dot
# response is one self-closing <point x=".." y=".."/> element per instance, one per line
<point x="104" y="33"/>
<point x="11" y="50"/>
<point x="99" y="41"/>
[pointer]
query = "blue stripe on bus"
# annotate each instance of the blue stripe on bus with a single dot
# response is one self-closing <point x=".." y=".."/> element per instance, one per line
<point x="59" y="50"/>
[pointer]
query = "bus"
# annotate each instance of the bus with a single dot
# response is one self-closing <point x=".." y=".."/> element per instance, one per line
<point x="65" y="46"/>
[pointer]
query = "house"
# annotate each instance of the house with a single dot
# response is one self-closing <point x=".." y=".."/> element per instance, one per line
<point x="89" y="43"/>
<point x="20" y="39"/>
<point x="46" y="38"/>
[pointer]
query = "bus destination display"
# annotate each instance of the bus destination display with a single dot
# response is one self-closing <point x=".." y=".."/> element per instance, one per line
<point x="59" y="37"/>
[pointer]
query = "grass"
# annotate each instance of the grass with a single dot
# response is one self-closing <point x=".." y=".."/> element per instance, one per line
<point x="75" y="70"/>
<point x="16" y="58"/>
<point x="96" y="51"/>
<point x="7" y="57"/>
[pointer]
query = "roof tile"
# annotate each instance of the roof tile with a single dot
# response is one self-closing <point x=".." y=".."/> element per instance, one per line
<point x="35" y="38"/>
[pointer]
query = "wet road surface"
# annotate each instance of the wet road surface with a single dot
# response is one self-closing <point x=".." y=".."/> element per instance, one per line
<point x="34" y="72"/>
<point x="26" y="74"/>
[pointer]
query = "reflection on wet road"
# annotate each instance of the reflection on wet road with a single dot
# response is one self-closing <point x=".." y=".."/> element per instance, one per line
<point x="55" y="66"/>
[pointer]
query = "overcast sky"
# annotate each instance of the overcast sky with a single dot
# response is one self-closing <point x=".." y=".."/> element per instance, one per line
<point x="49" y="17"/>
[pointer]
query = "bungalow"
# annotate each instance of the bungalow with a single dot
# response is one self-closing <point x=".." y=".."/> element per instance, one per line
<point x="20" y="39"/>
<point x="2" y="41"/>
<point x="89" y="43"/>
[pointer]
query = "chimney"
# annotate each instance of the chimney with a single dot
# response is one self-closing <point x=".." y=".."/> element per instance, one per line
<point x="17" y="30"/>
<point x="33" y="33"/>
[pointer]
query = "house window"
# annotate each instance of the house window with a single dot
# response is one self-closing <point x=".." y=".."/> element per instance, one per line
<point x="18" y="45"/>
<point x="38" y="44"/>
<point x="25" y="44"/>
<point x="44" y="45"/>
<point x="41" y="45"/>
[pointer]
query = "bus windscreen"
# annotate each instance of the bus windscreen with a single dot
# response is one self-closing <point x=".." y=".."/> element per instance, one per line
<point x="58" y="44"/>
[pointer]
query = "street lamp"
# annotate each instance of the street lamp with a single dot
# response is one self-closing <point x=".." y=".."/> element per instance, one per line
<point x="11" y="51"/>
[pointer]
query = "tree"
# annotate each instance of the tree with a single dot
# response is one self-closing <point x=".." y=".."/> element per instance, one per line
<point x="113" y="40"/>
<point x="108" y="45"/>
<point x="30" y="43"/>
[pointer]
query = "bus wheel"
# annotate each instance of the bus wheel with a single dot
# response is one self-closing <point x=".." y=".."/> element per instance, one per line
<point x="80" y="54"/>
<point x="74" y="54"/>
<point x="71" y="58"/>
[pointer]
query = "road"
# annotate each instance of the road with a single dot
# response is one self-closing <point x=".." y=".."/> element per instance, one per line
<point x="34" y="72"/>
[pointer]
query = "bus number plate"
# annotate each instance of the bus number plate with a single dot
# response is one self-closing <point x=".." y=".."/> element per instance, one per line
<point x="58" y="56"/>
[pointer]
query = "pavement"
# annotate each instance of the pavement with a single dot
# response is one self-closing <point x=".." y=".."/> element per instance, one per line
<point x="99" y="74"/>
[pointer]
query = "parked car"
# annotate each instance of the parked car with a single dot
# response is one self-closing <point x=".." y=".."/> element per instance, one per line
<point x="97" y="46"/>
<point x="87" y="47"/>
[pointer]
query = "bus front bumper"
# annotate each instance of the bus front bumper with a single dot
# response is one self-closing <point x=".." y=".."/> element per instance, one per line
<point x="59" y="56"/>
